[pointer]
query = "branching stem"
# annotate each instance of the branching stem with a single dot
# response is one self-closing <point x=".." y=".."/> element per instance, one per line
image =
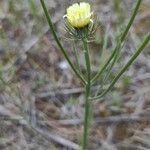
<point x="48" y="17"/>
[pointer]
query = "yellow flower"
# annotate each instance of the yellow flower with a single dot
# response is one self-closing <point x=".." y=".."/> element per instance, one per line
<point x="79" y="15"/>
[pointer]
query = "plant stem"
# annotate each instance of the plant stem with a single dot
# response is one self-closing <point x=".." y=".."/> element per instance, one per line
<point x="135" y="11"/>
<point x="48" y="17"/>
<point x="87" y="115"/>
<point x="109" y="69"/>
<point x="131" y="60"/>
<point x="122" y="38"/>
<point x="76" y="55"/>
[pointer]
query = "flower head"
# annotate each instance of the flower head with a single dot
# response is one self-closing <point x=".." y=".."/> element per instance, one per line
<point x="79" y="15"/>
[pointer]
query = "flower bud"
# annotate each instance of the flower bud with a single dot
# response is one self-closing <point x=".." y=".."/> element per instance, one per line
<point x="79" y="15"/>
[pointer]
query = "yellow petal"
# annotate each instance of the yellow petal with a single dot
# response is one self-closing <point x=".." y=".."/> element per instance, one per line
<point x="79" y="15"/>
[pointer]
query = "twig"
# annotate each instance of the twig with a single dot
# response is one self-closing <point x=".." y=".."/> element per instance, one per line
<point x="56" y="138"/>
<point x="48" y="135"/>
<point x="131" y="146"/>
<point x="109" y="120"/>
<point x="70" y="91"/>
<point x="142" y="140"/>
<point x="79" y="90"/>
<point x="7" y="115"/>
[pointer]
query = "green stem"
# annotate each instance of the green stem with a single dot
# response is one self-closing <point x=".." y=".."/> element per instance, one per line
<point x="105" y="41"/>
<point x="131" y="20"/>
<point x="48" y="17"/>
<point x="114" y="60"/>
<point x="103" y="80"/>
<point x="87" y="115"/>
<point x="76" y="55"/>
<point x="123" y="36"/>
<point x="131" y="60"/>
<point x="104" y="67"/>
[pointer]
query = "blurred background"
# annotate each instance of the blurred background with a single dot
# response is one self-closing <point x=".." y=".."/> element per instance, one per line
<point x="42" y="101"/>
